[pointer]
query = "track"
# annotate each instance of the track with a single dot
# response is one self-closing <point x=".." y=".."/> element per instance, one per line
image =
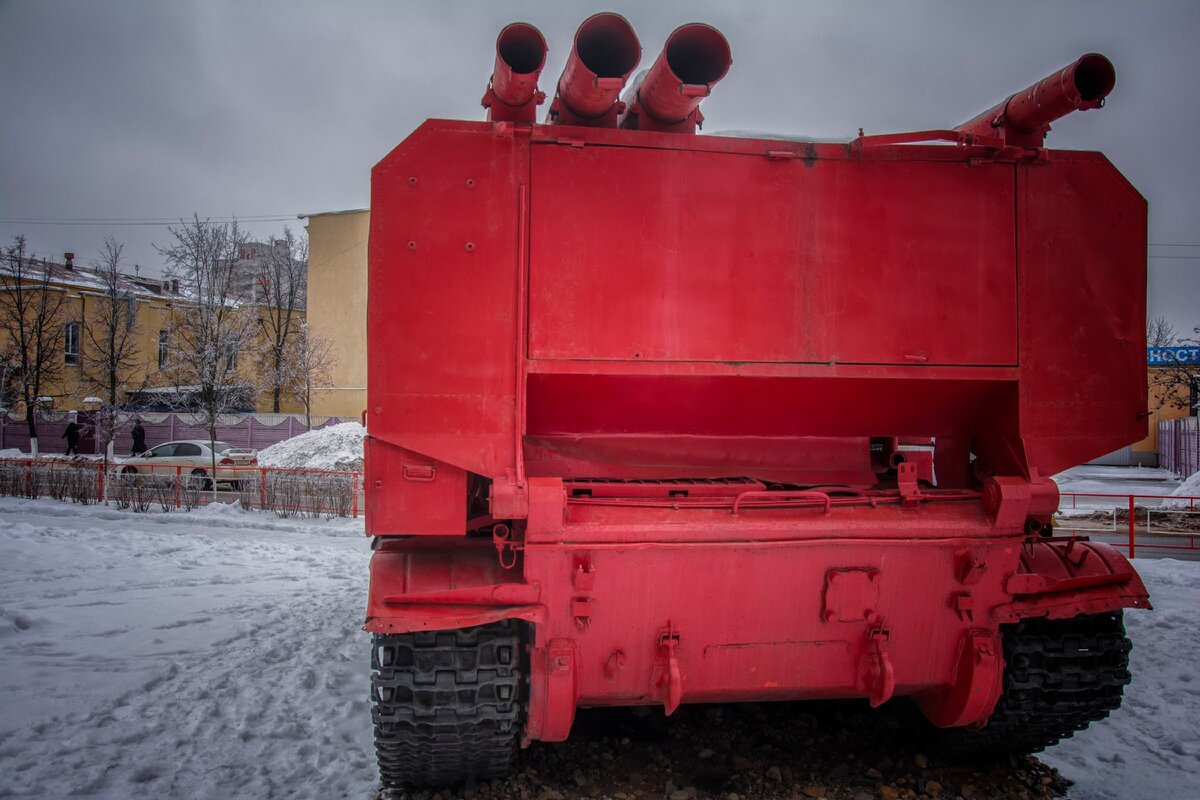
<point x="446" y="704"/>
<point x="1060" y="676"/>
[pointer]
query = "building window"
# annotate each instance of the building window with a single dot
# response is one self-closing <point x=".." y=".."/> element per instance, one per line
<point x="231" y="354"/>
<point x="163" y="339"/>
<point x="71" y="343"/>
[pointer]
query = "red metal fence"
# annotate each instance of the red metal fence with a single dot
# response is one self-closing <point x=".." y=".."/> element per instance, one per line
<point x="1154" y="523"/>
<point x="287" y="492"/>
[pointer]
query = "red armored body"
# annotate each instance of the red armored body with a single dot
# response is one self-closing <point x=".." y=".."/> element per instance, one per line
<point x="658" y="418"/>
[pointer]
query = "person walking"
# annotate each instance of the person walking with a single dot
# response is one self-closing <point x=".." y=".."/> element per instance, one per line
<point x="71" y="434"/>
<point x="139" y="438"/>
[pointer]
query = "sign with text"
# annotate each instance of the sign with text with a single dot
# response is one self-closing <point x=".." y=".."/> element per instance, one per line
<point x="1170" y="356"/>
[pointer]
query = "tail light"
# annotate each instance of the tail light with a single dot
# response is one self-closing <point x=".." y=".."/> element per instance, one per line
<point x="226" y="462"/>
<point x="254" y="461"/>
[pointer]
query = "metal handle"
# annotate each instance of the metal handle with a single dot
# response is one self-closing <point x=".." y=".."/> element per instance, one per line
<point x="826" y="499"/>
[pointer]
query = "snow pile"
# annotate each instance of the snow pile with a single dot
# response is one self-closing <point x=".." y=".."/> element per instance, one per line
<point x="12" y="452"/>
<point x="336" y="447"/>
<point x="1189" y="488"/>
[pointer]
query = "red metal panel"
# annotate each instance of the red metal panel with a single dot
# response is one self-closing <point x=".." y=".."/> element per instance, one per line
<point x="699" y="256"/>
<point x="750" y="614"/>
<point x="1083" y="303"/>
<point x="408" y="493"/>
<point x="442" y="300"/>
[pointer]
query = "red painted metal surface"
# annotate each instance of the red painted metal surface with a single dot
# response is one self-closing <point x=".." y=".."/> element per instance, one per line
<point x="738" y="418"/>
<point x="604" y="55"/>
<point x="1024" y="118"/>
<point x="512" y="94"/>
<point x="667" y="97"/>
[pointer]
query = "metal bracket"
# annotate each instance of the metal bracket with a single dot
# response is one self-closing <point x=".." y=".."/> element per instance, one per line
<point x="581" y="610"/>
<point x="878" y="675"/>
<point x="614" y="664"/>
<point x="906" y="481"/>
<point x="964" y="606"/>
<point x="671" y="680"/>
<point x="506" y="547"/>
<point x="584" y="577"/>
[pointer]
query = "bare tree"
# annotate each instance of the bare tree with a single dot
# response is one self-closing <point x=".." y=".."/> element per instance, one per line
<point x="1160" y="333"/>
<point x="309" y="366"/>
<point x="280" y="290"/>
<point x="112" y="363"/>
<point x="210" y="329"/>
<point x="10" y="368"/>
<point x="31" y="315"/>
<point x="1174" y="383"/>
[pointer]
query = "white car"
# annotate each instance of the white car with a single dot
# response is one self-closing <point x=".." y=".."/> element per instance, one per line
<point x="192" y="459"/>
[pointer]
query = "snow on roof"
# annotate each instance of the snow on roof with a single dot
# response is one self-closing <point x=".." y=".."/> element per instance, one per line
<point x="87" y="278"/>
<point x="332" y="213"/>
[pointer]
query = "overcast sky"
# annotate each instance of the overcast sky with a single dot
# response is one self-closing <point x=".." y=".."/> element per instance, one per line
<point x="143" y="111"/>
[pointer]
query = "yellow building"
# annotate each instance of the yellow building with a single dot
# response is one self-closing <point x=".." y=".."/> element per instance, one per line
<point x="337" y="305"/>
<point x="1162" y="407"/>
<point x="156" y="300"/>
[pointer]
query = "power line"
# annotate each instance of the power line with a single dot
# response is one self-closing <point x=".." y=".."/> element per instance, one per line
<point x="1171" y="244"/>
<point x="142" y="219"/>
<point x="1180" y="258"/>
<point x="161" y="224"/>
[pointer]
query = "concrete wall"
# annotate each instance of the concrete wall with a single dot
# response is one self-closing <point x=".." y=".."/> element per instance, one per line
<point x="337" y="306"/>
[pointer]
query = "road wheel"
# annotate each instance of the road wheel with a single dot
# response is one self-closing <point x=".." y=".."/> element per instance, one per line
<point x="129" y="471"/>
<point x="1059" y="677"/>
<point x="447" y="704"/>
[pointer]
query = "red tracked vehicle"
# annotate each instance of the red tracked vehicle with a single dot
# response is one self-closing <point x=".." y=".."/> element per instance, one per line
<point x="658" y="418"/>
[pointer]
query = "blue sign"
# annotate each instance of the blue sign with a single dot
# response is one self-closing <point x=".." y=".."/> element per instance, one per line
<point x="1170" y="356"/>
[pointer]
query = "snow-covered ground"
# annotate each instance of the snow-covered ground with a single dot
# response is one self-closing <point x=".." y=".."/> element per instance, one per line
<point x="1149" y="748"/>
<point x="218" y="654"/>
<point x="1112" y="480"/>
<point x="211" y="654"/>
<point x="336" y="447"/>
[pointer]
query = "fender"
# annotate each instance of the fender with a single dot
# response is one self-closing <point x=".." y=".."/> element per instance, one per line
<point x="457" y="585"/>
<point x="1064" y="577"/>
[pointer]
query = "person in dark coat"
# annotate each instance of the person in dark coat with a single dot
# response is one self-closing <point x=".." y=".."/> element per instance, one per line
<point x="139" y="438"/>
<point x="71" y="434"/>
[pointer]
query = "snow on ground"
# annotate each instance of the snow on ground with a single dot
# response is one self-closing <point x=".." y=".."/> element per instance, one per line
<point x="216" y="654"/>
<point x="1112" y="480"/>
<point x="1148" y="748"/>
<point x="335" y="447"/>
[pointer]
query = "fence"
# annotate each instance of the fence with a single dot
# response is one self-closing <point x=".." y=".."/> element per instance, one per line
<point x="287" y="492"/>
<point x="253" y="431"/>
<point x="1179" y="445"/>
<point x="1120" y="515"/>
